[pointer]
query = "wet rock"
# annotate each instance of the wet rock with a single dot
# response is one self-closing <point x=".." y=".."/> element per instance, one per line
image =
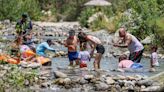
<point x="59" y="74"/>
<point x="109" y="80"/>
<point x="151" y="88"/>
<point x="88" y="77"/>
<point x="101" y="86"/>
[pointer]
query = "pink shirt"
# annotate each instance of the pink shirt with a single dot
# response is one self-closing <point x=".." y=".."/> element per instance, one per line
<point x="125" y="64"/>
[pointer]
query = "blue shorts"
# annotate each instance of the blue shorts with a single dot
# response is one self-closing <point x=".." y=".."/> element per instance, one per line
<point x="136" y="66"/>
<point x="73" y="56"/>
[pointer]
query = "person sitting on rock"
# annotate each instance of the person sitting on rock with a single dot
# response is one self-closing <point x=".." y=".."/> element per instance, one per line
<point x="27" y="40"/>
<point x="84" y="56"/>
<point x="40" y="50"/>
<point x="95" y="43"/>
<point x="154" y="58"/>
<point x="132" y="43"/>
<point x="71" y="44"/>
<point x="125" y="63"/>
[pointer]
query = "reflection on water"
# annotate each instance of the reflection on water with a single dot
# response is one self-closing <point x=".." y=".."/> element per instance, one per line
<point x="106" y="64"/>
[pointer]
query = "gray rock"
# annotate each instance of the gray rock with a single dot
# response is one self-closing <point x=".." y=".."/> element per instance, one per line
<point x="34" y="65"/>
<point x="109" y="80"/>
<point x="88" y="77"/>
<point x="144" y="82"/>
<point x="45" y="85"/>
<point x="151" y="88"/>
<point x="59" y="74"/>
<point x="101" y="86"/>
<point x="118" y="88"/>
<point x="67" y="81"/>
<point x="83" y="81"/>
<point x="143" y="87"/>
<point x="26" y="83"/>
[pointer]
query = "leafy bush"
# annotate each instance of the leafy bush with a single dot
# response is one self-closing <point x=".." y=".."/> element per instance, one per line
<point x="12" y="9"/>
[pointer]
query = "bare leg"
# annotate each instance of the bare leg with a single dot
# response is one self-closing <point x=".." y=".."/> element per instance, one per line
<point x="77" y="62"/>
<point x="97" y="61"/>
<point x="71" y="63"/>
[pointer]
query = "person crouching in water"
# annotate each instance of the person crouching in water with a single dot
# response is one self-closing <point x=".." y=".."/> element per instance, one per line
<point x="95" y="43"/>
<point x="124" y="63"/>
<point x="154" y="59"/>
<point x="40" y="50"/>
<point x="84" y="56"/>
<point x="71" y="43"/>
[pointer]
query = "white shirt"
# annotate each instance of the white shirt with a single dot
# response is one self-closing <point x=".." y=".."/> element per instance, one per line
<point x="154" y="58"/>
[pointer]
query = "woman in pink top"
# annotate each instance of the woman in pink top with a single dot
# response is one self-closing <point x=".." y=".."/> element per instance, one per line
<point x="125" y="63"/>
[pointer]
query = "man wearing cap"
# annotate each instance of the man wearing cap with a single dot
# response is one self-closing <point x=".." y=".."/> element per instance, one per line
<point x="40" y="50"/>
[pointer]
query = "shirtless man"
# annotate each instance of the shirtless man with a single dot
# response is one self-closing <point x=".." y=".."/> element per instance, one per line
<point x="132" y="43"/>
<point x="71" y="43"/>
<point x="95" y="43"/>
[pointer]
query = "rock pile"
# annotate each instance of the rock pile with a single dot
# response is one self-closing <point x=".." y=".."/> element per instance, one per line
<point x="104" y="82"/>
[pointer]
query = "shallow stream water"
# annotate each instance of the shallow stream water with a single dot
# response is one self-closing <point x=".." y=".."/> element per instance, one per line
<point x="108" y="64"/>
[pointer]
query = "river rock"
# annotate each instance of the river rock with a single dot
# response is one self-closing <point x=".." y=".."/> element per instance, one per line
<point x="2" y="73"/>
<point x="101" y="86"/>
<point x="145" y="82"/>
<point x="67" y="81"/>
<point x="109" y="80"/>
<point x="88" y="77"/>
<point x="45" y="85"/>
<point x="59" y="74"/>
<point x="83" y="81"/>
<point x="34" y="65"/>
<point x="151" y="89"/>
<point x="26" y="83"/>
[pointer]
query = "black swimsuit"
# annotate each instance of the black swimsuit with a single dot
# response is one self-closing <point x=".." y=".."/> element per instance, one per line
<point x="100" y="48"/>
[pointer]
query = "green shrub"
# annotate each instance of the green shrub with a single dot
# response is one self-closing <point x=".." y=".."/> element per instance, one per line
<point x="12" y="9"/>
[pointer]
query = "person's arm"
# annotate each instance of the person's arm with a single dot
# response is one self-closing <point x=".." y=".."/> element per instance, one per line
<point x="127" y="42"/>
<point x="48" y="47"/>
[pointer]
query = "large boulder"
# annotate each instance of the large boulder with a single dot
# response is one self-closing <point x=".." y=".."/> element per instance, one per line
<point x="59" y="74"/>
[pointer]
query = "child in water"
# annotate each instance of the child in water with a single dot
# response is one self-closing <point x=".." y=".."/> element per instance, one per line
<point x="154" y="58"/>
<point x="84" y="56"/>
<point x="124" y="63"/>
<point x="71" y="43"/>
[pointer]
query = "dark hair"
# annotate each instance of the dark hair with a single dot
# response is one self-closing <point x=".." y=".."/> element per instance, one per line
<point x="49" y="41"/>
<point x="122" y="57"/>
<point x="24" y="15"/>
<point x="154" y="47"/>
<point x="82" y="36"/>
<point x="71" y="32"/>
